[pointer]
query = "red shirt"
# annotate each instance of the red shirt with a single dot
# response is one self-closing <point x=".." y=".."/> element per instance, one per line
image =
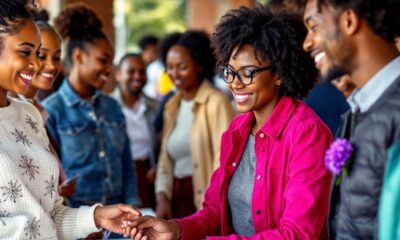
<point x="291" y="186"/>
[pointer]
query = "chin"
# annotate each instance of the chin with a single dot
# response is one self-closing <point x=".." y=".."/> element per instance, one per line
<point x="332" y="73"/>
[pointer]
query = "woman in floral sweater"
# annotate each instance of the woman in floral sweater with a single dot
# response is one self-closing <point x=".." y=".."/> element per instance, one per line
<point x="30" y="207"/>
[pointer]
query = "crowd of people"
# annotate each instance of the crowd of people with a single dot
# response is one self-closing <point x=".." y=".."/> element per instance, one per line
<point x="301" y="142"/>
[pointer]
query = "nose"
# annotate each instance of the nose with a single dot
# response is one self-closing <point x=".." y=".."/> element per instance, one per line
<point x="237" y="84"/>
<point x="308" y="43"/>
<point x="34" y="63"/>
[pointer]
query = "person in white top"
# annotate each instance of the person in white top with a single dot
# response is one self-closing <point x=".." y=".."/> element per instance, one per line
<point x="30" y="207"/>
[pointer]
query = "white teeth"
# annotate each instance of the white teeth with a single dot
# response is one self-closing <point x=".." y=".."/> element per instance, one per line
<point x="26" y="76"/>
<point x="47" y="75"/>
<point x="319" y="57"/>
<point x="242" y="96"/>
<point x="104" y="77"/>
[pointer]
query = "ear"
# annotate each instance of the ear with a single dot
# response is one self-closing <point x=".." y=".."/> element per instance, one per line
<point x="77" y="56"/>
<point x="278" y="81"/>
<point x="117" y="75"/>
<point x="349" y="22"/>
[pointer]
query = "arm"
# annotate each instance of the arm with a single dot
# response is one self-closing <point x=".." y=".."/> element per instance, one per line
<point x="206" y="221"/>
<point x="306" y="195"/>
<point x="129" y="175"/>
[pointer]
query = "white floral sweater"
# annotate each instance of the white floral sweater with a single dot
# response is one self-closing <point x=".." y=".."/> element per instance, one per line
<point x="30" y="207"/>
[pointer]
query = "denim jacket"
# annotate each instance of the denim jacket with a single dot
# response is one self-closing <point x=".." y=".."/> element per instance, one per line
<point x="94" y="144"/>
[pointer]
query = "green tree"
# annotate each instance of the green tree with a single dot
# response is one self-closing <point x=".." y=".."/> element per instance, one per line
<point x="155" y="17"/>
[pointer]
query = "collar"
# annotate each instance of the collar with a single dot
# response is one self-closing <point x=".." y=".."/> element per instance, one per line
<point x="71" y="98"/>
<point x="276" y="122"/>
<point x="202" y="95"/>
<point x="363" y="98"/>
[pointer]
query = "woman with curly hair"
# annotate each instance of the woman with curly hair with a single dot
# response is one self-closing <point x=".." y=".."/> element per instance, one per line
<point x="194" y="119"/>
<point x="88" y="126"/>
<point x="30" y="206"/>
<point x="271" y="183"/>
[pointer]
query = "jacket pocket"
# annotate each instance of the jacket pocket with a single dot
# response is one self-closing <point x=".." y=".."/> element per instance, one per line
<point x="76" y="142"/>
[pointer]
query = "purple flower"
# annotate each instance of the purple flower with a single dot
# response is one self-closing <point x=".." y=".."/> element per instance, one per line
<point x="337" y="155"/>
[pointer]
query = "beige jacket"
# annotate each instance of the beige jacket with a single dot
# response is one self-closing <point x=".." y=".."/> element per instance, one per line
<point x="212" y="113"/>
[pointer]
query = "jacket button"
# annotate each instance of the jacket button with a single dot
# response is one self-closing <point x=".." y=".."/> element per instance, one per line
<point x="233" y="164"/>
<point x="258" y="177"/>
<point x="262" y="135"/>
<point x="198" y="192"/>
<point x="196" y="166"/>
<point x="102" y="154"/>
<point x="258" y="212"/>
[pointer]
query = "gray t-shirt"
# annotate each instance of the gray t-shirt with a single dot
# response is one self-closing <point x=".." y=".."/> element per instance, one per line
<point x="240" y="191"/>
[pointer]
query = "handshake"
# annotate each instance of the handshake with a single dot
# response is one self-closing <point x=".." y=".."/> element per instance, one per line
<point x="128" y="221"/>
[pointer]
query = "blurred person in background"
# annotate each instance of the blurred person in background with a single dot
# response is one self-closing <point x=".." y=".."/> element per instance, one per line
<point x="140" y="112"/>
<point x="194" y="119"/>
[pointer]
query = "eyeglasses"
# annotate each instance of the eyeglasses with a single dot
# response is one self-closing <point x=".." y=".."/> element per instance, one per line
<point x="244" y="74"/>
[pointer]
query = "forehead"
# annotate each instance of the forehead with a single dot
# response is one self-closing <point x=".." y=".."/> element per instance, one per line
<point x="133" y="62"/>
<point x="178" y="52"/>
<point x="102" y="46"/>
<point x="28" y="32"/>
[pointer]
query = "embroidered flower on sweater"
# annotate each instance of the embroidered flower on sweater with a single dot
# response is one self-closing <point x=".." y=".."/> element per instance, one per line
<point x="32" y="230"/>
<point x="32" y="124"/>
<point x="12" y="192"/>
<point x="27" y="165"/>
<point x="21" y="137"/>
<point x="4" y="214"/>
<point x="50" y="186"/>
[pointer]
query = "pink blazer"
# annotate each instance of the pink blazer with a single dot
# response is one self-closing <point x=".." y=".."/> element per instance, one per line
<point x="291" y="185"/>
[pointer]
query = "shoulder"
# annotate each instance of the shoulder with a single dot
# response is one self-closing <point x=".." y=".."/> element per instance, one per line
<point x="151" y="102"/>
<point x="53" y="101"/>
<point x="304" y="119"/>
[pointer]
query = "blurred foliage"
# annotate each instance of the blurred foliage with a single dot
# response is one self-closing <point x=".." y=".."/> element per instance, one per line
<point x="155" y="17"/>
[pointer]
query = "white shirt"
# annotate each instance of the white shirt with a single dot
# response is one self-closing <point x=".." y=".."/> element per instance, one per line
<point x="30" y="207"/>
<point x="178" y="144"/>
<point x="137" y="129"/>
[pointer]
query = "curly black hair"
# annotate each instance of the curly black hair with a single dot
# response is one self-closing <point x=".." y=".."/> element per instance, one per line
<point x="129" y="55"/>
<point x="13" y="15"/>
<point x="382" y="16"/>
<point x="166" y="43"/>
<point x="276" y="38"/>
<point x="80" y="26"/>
<point x="199" y="46"/>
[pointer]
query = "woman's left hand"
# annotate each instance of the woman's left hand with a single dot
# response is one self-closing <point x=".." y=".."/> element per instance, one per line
<point x="112" y="217"/>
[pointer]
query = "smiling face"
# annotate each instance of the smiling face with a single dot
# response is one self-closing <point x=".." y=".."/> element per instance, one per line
<point x="183" y="70"/>
<point x="262" y="94"/>
<point x="132" y="75"/>
<point x="95" y="64"/>
<point x="325" y="41"/>
<point x="49" y="60"/>
<point x="18" y="58"/>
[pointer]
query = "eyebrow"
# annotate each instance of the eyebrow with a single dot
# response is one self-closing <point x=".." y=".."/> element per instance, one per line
<point x="27" y="44"/>
<point x="246" y="66"/>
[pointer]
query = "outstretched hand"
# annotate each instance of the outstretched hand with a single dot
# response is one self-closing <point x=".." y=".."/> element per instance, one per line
<point x="153" y="228"/>
<point x="112" y="217"/>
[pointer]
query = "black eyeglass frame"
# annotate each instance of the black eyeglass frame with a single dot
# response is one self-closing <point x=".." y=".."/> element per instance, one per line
<point x="236" y="73"/>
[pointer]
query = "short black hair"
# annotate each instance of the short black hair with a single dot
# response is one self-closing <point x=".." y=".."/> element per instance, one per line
<point x="41" y="18"/>
<point x="80" y="26"/>
<point x="276" y="38"/>
<point x="129" y="55"/>
<point x="381" y="15"/>
<point x="13" y="15"/>
<point x="199" y="46"/>
<point x="166" y="43"/>
<point x="147" y="40"/>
